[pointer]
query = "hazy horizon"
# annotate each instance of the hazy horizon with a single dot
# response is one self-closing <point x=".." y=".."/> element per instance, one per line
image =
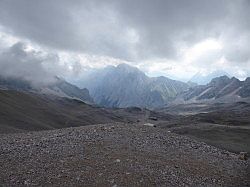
<point x="124" y="92"/>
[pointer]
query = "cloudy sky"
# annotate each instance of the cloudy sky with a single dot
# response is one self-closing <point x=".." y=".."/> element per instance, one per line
<point x="175" y="38"/>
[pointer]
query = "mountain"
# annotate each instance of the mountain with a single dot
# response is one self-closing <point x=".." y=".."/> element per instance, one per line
<point x="59" y="87"/>
<point x="125" y="86"/>
<point x="245" y="89"/>
<point x="203" y="79"/>
<point x="27" y="111"/>
<point x="70" y="90"/>
<point x="220" y="89"/>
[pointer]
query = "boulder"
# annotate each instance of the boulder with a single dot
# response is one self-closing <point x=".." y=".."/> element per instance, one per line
<point x="150" y="124"/>
<point x="243" y="156"/>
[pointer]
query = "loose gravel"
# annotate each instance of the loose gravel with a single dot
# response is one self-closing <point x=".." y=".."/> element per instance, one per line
<point x="116" y="155"/>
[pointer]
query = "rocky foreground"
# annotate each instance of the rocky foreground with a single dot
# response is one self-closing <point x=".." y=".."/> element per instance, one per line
<point x="116" y="155"/>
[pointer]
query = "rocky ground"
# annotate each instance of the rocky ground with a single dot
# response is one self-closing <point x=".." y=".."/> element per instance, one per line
<point x="116" y="155"/>
<point x="223" y="125"/>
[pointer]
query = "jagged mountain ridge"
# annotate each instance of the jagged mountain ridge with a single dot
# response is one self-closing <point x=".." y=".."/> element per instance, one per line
<point x="125" y="86"/>
<point x="59" y="87"/>
<point x="219" y="89"/>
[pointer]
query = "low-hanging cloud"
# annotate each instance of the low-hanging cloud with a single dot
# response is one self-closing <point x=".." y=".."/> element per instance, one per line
<point x="30" y="65"/>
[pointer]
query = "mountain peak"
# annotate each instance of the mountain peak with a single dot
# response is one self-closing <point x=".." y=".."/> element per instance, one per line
<point x="247" y="80"/>
<point x="126" y="86"/>
<point x="234" y="79"/>
<point x="220" y="89"/>
<point x="127" y="68"/>
<point x="220" y="80"/>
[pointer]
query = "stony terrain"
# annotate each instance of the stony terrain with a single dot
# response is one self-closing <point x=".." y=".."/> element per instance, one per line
<point x="116" y="155"/>
<point x="223" y="125"/>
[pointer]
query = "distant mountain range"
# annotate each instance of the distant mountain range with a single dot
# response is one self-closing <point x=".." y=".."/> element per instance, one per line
<point x="220" y="89"/>
<point x="203" y="79"/>
<point x="125" y="86"/>
<point x="59" y="87"/>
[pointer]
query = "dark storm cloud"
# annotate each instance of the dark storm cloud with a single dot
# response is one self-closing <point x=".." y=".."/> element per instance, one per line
<point x="46" y="22"/>
<point x="83" y="26"/>
<point x="164" y="23"/>
<point x="129" y="29"/>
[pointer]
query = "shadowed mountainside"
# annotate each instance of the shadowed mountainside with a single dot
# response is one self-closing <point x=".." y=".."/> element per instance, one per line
<point x="25" y="111"/>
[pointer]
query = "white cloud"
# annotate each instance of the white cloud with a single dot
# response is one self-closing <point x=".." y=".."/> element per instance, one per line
<point x="202" y="48"/>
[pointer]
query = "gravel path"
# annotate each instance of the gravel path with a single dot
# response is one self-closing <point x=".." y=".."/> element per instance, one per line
<point x="116" y="155"/>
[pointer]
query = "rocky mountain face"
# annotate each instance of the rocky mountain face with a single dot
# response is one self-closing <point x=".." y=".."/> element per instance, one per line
<point x="125" y="86"/>
<point x="219" y="89"/>
<point x="245" y="89"/>
<point x="59" y="88"/>
<point x="63" y="88"/>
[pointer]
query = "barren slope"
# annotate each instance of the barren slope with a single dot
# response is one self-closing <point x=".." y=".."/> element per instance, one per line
<point x="116" y="155"/>
<point x="25" y="111"/>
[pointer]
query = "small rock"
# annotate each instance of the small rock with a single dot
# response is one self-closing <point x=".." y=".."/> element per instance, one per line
<point x="243" y="156"/>
<point x="153" y="118"/>
<point x="225" y="153"/>
<point x="150" y="124"/>
<point x="27" y="182"/>
<point x="117" y="160"/>
<point x="112" y="181"/>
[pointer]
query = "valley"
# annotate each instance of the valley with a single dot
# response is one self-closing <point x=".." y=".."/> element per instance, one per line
<point x="125" y="93"/>
<point x="59" y="137"/>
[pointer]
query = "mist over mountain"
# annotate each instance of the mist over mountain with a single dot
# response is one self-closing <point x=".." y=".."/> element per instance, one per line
<point x="58" y="87"/>
<point x="124" y="93"/>
<point x="125" y="86"/>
